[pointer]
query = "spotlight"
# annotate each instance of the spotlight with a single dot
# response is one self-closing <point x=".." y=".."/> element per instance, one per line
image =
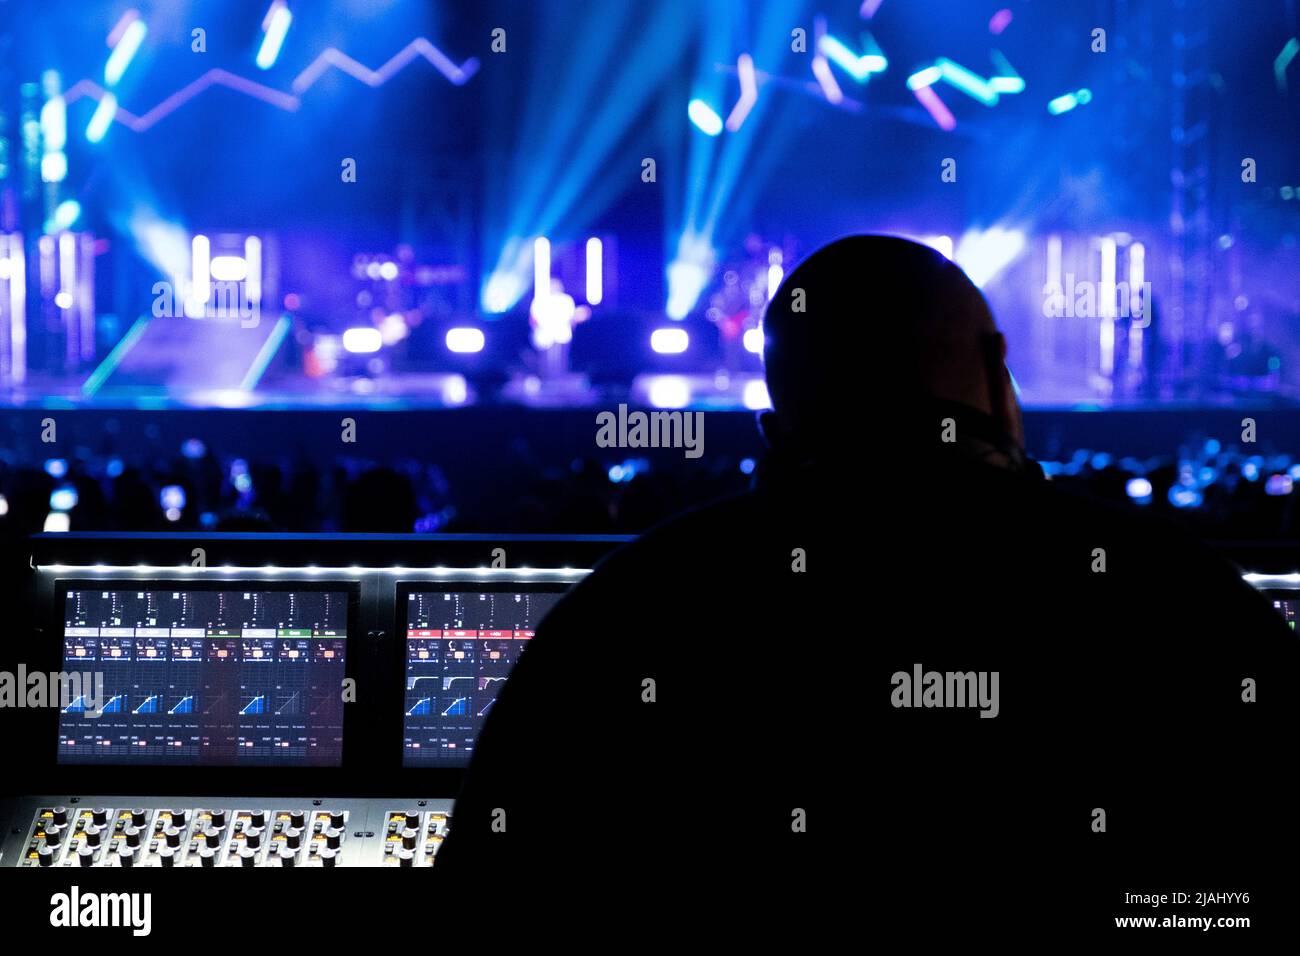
<point x="465" y="340"/>
<point x="362" y="340"/>
<point x="669" y="341"/>
<point x="704" y="117"/>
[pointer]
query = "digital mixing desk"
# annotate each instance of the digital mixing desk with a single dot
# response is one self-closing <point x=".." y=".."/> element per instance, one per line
<point x="291" y="701"/>
<point x="267" y="700"/>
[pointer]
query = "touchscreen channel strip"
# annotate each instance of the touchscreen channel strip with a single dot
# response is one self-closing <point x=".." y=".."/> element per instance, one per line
<point x="248" y="833"/>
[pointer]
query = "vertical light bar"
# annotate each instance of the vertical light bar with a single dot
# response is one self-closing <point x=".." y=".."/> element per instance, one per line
<point x="1138" y="306"/>
<point x="1106" y="306"/>
<point x="774" y="276"/>
<point x="595" y="273"/>
<point x="1054" y="263"/>
<point x="54" y="124"/>
<point x="67" y="281"/>
<point x="17" y="310"/>
<point x="276" y="26"/>
<point x="103" y="115"/>
<point x="1106" y="294"/>
<point x="541" y="268"/>
<point x="67" y="262"/>
<point x="85" y="296"/>
<point x="253" y="259"/>
<point x="200" y="272"/>
<point x="1137" y="276"/>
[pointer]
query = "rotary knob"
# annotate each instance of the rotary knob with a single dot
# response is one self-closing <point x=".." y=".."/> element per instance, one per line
<point x="166" y="856"/>
<point x="288" y="857"/>
<point x="45" y="855"/>
<point x="60" y="816"/>
<point x="248" y="856"/>
<point x="333" y="838"/>
<point x="218" y="818"/>
<point x="53" y="836"/>
<point x="94" y="835"/>
<point x="337" y="819"/>
<point x="293" y="838"/>
<point x="132" y="836"/>
<point x="99" y="816"/>
<point x="410" y="836"/>
<point x="257" y="819"/>
<point x="86" y="856"/>
<point x="329" y="857"/>
<point x="178" y="817"/>
<point x="125" y="856"/>
<point x="405" y="857"/>
<point x="298" y="819"/>
<point x="173" y="836"/>
<point x="212" y="838"/>
<point x="207" y="856"/>
<point x="138" y="817"/>
<point x="253" y="837"/>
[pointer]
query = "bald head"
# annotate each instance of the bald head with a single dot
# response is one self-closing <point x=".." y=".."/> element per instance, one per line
<point x="906" y="317"/>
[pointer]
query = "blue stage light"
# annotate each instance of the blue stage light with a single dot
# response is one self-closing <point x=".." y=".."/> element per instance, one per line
<point x="704" y="117"/>
<point x="844" y="58"/>
<point x="465" y="340"/>
<point x="362" y="340"/>
<point x="56" y="467"/>
<point x="276" y="26"/>
<point x="172" y="496"/>
<point x="1139" y="489"/>
<point x="1278" y="485"/>
<point x="124" y="51"/>
<point x="501" y="292"/>
<point x="669" y="341"/>
<point x="102" y="118"/>
<point x="63" y="498"/>
<point x="1068" y="101"/>
<point x="984" y="254"/>
<point x="971" y="84"/>
<point x="595" y="271"/>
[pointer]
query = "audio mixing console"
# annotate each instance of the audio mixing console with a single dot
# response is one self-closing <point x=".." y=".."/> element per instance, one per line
<point x="226" y="832"/>
<point x="279" y="692"/>
<point x="276" y="692"/>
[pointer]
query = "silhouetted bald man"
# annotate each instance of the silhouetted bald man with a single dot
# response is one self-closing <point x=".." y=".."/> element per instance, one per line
<point x="903" y="661"/>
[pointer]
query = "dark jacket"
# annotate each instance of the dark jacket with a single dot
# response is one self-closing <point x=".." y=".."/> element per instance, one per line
<point x="775" y="692"/>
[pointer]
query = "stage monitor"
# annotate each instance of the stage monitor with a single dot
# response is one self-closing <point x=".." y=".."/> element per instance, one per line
<point x="233" y="674"/>
<point x="460" y="647"/>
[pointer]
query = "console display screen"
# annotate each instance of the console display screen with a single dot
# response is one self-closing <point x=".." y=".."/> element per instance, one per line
<point x="232" y="677"/>
<point x="460" y="647"/>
